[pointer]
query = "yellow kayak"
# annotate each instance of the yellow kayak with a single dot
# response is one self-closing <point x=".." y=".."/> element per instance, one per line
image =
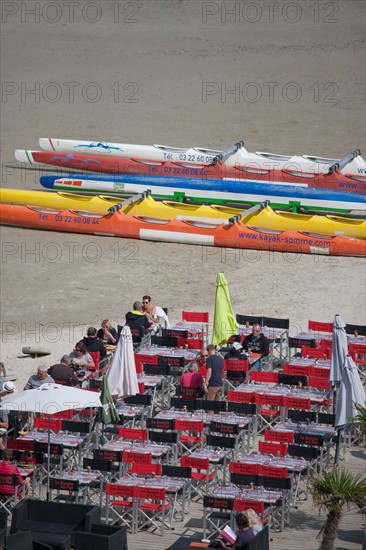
<point x="145" y="205"/>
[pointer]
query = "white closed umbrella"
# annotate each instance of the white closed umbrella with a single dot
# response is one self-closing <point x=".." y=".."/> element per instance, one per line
<point x="49" y="399"/>
<point x="122" y="377"/>
<point x="339" y="351"/>
<point x="351" y="391"/>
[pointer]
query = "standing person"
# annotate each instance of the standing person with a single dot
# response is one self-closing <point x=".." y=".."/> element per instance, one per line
<point x="201" y="361"/>
<point x="214" y="384"/>
<point x="37" y="380"/>
<point x="62" y="373"/>
<point x="257" y="343"/>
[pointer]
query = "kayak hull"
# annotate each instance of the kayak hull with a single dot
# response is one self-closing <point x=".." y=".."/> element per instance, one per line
<point x="198" y="155"/>
<point x="112" y="165"/>
<point x="329" y="225"/>
<point x="231" y="235"/>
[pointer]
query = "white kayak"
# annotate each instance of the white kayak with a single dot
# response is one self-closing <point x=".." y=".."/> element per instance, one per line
<point x="352" y="164"/>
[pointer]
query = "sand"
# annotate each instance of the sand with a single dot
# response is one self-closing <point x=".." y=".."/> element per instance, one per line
<point x="162" y="72"/>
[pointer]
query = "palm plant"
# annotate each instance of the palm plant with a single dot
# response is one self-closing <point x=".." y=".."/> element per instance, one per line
<point x="332" y="491"/>
<point x="360" y="419"/>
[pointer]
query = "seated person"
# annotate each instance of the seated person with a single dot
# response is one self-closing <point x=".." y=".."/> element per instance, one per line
<point x="27" y="459"/>
<point x="156" y="314"/>
<point x="2" y="369"/>
<point x="93" y="344"/>
<point x="107" y="333"/>
<point x="37" y="380"/>
<point x="192" y="378"/>
<point x="62" y="373"/>
<point x="256" y="343"/>
<point x="235" y="354"/>
<point x="244" y="533"/>
<point x="137" y="319"/>
<point x="254" y="521"/>
<point x="4" y="425"/>
<point x="80" y="357"/>
<point x="6" y="468"/>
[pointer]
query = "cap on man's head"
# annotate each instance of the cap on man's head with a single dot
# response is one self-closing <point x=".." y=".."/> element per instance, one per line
<point x="9" y="387"/>
<point x="237" y="346"/>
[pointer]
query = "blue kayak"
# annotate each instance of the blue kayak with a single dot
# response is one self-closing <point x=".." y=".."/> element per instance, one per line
<point x="228" y="190"/>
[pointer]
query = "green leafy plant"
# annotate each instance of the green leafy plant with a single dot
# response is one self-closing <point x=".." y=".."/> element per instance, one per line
<point x="360" y="419"/>
<point x="332" y="492"/>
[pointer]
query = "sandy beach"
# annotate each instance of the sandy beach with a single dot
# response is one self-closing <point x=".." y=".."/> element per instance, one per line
<point x="284" y="77"/>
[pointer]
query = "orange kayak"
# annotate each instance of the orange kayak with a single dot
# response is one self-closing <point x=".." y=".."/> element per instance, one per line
<point x="232" y="233"/>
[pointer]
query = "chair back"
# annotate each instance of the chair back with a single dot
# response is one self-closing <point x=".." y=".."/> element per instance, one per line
<point x="133" y="434"/>
<point x="240" y="505"/>
<point x="313" y="353"/>
<point x="106" y="454"/>
<point x="265" y="377"/>
<point x="42" y="424"/>
<point x="142" y="458"/>
<point x="318" y="383"/>
<point x="99" y="465"/>
<point x="189" y="425"/>
<point x="176" y="471"/>
<point x="250" y="319"/>
<point x="274" y="322"/>
<point x="241" y="396"/>
<point x="145" y="469"/>
<point x="292" y="380"/>
<point x="195" y="316"/>
<point x="117" y="490"/>
<point x="272" y="448"/>
<point x="245" y="468"/>
<point x="150" y="493"/>
<point x="236" y="366"/>
<point x="242" y="408"/>
<point x="20" y="444"/>
<point x="95" y="355"/>
<point x="296" y="403"/>
<point x="278" y="436"/>
<point x="195" y="462"/>
<point x="318" y="326"/>
<point x="71" y="485"/>
<point x="274" y="471"/>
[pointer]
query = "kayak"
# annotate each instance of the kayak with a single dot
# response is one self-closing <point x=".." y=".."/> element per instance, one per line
<point x="236" y="154"/>
<point x="333" y="179"/>
<point x="233" y="233"/>
<point x="144" y="205"/>
<point x="227" y="190"/>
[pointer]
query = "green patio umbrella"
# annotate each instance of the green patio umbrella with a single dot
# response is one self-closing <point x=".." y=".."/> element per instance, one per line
<point x="109" y="411"/>
<point x="225" y="324"/>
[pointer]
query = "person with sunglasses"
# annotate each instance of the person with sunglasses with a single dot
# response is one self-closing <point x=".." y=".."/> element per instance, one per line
<point x="156" y="314"/>
<point x="201" y="361"/>
<point x="80" y="356"/>
<point x="257" y="343"/>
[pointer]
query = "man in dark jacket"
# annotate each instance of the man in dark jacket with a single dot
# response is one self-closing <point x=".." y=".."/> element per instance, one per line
<point x="137" y="318"/>
<point x="93" y="344"/>
<point x="235" y="354"/>
<point x="62" y="373"/>
<point x="257" y="343"/>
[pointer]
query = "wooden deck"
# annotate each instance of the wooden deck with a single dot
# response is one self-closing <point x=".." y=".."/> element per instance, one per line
<point x="302" y="533"/>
